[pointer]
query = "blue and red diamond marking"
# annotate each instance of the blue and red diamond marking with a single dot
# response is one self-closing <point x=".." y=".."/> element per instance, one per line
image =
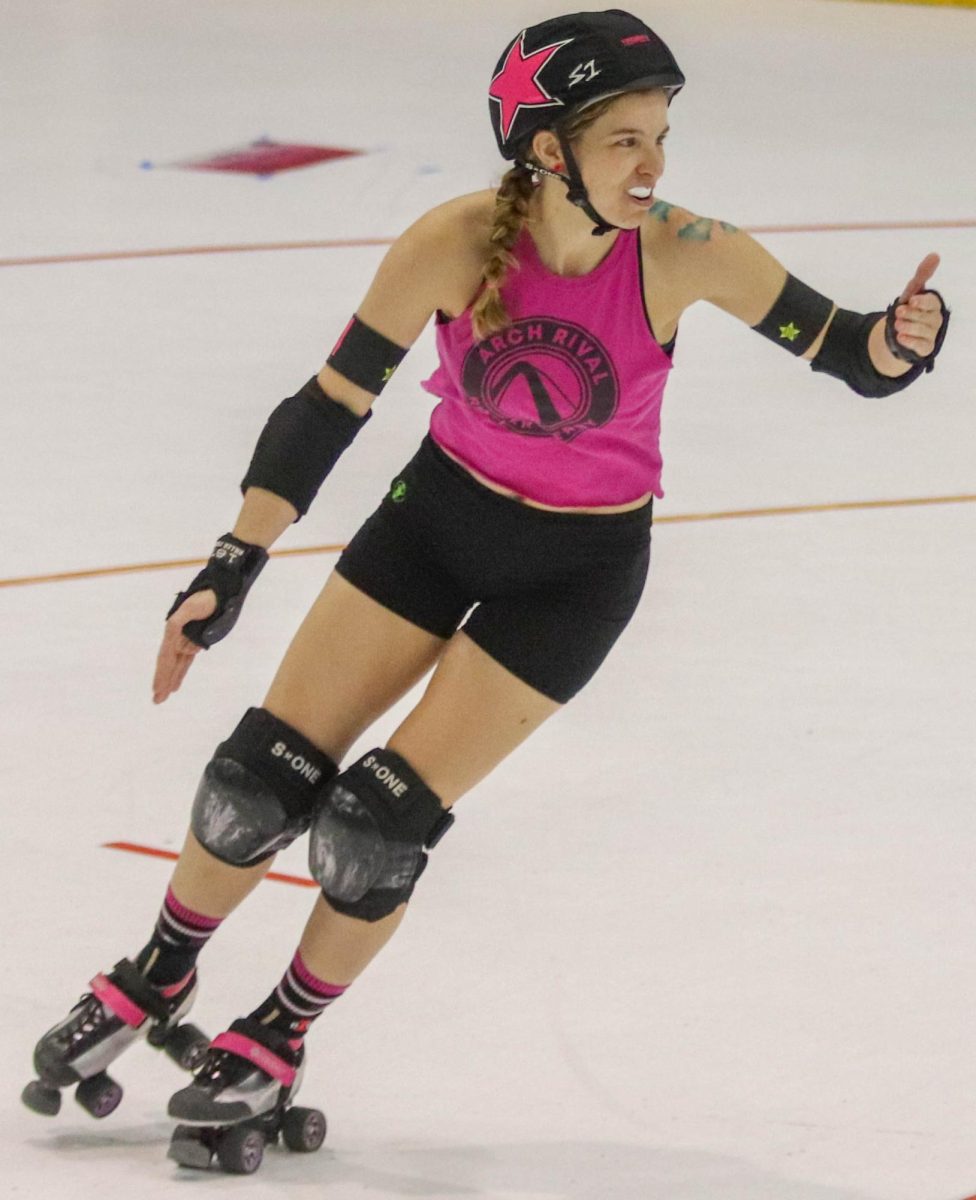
<point x="267" y="157"/>
<point x="517" y="86"/>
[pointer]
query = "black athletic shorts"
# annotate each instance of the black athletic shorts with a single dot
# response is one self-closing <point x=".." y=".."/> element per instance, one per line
<point x="550" y="592"/>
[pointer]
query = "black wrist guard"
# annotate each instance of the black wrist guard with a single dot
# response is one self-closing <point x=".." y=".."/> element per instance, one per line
<point x="845" y="355"/>
<point x="796" y="318"/>
<point x="230" y="571"/>
<point x="365" y="357"/>
<point x="904" y="352"/>
<point x="300" y="444"/>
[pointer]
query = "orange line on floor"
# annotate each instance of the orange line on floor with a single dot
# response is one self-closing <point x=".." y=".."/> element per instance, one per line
<point x="675" y="519"/>
<point x="353" y="243"/>
<point x="794" y="509"/>
<point x="154" y="852"/>
<point x="42" y="260"/>
<point x="136" y="568"/>
<point x="863" y="226"/>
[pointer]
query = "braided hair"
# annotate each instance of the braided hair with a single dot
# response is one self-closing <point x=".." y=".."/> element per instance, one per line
<point x="488" y="315"/>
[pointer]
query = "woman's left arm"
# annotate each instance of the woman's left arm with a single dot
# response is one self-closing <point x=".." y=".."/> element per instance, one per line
<point x="875" y="353"/>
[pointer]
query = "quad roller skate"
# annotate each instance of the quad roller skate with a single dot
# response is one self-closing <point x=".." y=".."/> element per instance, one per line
<point x="121" y="1008"/>
<point x="241" y="1100"/>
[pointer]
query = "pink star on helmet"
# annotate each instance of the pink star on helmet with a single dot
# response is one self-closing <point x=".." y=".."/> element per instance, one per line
<point x="517" y="86"/>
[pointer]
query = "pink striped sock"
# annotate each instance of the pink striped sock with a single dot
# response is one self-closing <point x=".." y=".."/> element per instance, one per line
<point x="298" y="999"/>
<point x="179" y="936"/>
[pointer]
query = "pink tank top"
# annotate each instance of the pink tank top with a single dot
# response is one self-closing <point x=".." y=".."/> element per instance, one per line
<point x="562" y="407"/>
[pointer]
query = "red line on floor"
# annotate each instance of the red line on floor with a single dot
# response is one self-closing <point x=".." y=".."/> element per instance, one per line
<point x="155" y="852"/>
<point x="354" y="243"/>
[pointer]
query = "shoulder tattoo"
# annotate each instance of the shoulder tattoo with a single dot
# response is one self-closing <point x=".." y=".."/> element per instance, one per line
<point x="696" y="229"/>
<point x="701" y="229"/>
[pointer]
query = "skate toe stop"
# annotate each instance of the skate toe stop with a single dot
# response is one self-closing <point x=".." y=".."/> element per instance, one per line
<point x="42" y="1099"/>
<point x="188" y="1149"/>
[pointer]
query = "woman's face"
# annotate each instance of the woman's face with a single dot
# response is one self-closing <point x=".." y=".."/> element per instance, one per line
<point x="622" y="153"/>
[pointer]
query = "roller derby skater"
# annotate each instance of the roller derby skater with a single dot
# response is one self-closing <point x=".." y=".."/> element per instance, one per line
<point x="507" y="559"/>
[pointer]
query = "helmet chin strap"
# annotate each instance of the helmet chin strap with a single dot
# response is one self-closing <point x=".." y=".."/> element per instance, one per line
<point x="576" y="193"/>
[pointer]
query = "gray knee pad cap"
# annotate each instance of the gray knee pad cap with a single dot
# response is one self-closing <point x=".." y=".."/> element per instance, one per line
<point x="368" y="840"/>
<point x="259" y="791"/>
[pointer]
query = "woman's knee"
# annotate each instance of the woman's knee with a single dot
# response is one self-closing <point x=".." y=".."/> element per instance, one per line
<point x="369" y="839"/>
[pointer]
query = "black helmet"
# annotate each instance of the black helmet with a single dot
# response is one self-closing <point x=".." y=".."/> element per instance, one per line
<point x="562" y="65"/>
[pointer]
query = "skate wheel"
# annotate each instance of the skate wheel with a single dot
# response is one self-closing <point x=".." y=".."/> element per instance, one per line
<point x="188" y="1147"/>
<point x="241" y="1149"/>
<point x="42" y="1099"/>
<point x="186" y="1046"/>
<point x="99" y="1095"/>
<point x="303" y="1129"/>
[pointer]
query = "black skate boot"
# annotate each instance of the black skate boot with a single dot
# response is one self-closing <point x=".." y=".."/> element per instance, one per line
<point x="241" y="1099"/>
<point x="121" y="1008"/>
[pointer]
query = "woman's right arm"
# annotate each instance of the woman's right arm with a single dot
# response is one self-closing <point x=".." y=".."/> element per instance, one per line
<point x="427" y="268"/>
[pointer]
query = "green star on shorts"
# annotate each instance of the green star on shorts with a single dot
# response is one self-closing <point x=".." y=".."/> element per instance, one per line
<point x="790" y="332"/>
<point x="399" y="491"/>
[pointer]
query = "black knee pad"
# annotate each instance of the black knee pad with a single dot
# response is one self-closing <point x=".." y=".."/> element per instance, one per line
<point x="259" y="791"/>
<point x="367" y="842"/>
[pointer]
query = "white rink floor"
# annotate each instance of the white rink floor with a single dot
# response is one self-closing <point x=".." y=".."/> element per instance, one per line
<point x="712" y="933"/>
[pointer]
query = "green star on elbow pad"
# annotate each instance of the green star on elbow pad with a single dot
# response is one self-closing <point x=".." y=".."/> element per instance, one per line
<point x="789" y="332"/>
<point x="388" y="374"/>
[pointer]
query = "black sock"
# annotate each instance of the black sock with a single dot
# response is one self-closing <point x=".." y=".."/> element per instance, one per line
<point x="298" y="999"/>
<point x="178" y="938"/>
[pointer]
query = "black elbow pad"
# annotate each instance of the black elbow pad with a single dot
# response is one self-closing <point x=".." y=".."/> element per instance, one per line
<point x="300" y="444"/>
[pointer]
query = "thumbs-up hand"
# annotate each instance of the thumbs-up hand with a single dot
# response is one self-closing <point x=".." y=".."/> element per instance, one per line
<point x="919" y="314"/>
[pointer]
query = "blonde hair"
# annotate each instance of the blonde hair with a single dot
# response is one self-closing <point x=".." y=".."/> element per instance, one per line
<point x="489" y="315"/>
<point x="512" y="211"/>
